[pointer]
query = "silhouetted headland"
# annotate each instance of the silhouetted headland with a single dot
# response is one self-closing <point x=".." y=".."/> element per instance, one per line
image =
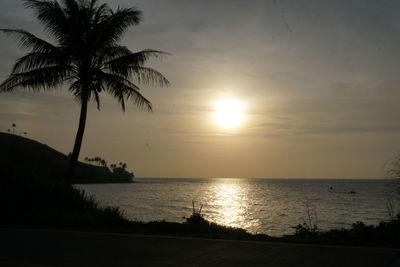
<point x="23" y="157"/>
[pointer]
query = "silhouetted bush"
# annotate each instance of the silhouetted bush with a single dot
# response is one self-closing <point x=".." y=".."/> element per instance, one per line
<point x="386" y="233"/>
<point x="196" y="218"/>
<point x="53" y="205"/>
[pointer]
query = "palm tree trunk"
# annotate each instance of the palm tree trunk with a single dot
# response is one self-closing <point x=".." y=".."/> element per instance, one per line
<point x="78" y="141"/>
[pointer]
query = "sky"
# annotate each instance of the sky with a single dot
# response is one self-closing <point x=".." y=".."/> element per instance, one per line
<point x="317" y="80"/>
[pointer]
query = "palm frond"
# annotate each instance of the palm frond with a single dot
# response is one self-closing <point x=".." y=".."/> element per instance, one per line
<point x="143" y="75"/>
<point x="102" y="12"/>
<point x="76" y="89"/>
<point x="101" y="75"/>
<point x="27" y="40"/>
<point x="37" y="79"/>
<point x="52" y="16"/>
<point x="37" y="60"/>
<point x="73" y="6"/>
<point x="137" y="58"/>
<point x="122" y="89"/>
<point x="120" y="96"/>
<point x="112" y="27"/>
<point x="92" y="4"/>
<point x="97" y="99"/>
<point x="109" y="53"/>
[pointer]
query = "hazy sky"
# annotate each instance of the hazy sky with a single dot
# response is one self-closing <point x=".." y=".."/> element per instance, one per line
<point x="319" y="81"/>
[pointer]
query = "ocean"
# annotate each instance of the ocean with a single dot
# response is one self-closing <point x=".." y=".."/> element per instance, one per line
<point x="268" y="206"/>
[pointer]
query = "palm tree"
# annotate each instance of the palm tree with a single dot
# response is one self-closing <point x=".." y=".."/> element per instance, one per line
<point x="84" y="53"/>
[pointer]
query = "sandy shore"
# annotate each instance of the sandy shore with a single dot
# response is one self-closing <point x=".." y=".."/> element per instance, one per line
<point x="63" y="248"/>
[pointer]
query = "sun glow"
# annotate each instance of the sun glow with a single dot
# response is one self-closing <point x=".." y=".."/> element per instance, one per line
<point x="228" y="113"/>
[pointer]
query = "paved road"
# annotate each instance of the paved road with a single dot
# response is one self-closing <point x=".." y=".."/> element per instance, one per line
<point x="63" y="248"/>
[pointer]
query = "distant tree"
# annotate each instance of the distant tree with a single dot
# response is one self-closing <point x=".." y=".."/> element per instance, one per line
<point x="104" y="163"/>
<point x="119" y="171"/>
<point x="393" y="166"/>
<point x="99" y="161"/>
<point x="86" y="54"/>
<point x="13" y="127"/>
<point x="8" y="130"/>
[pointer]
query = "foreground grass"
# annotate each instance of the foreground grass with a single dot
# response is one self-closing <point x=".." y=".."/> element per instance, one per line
<point x="58" y="206"/>
<point x="386" y="233"/>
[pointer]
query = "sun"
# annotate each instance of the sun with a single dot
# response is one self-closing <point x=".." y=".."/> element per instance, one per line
<point x="228" y="113"/>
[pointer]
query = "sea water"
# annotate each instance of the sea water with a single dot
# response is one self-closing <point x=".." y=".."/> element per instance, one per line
<point x="270" y="206"/>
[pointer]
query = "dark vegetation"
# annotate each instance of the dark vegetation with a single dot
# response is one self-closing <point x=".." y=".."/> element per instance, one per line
<point x="26" y="158"/>
<point x="119" y="172"/>
<point x="386" y="233"/>
<point x="14" y="126"/>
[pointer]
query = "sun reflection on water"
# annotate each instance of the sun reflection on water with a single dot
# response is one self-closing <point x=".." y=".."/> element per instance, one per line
<point x="229" y="200"/>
